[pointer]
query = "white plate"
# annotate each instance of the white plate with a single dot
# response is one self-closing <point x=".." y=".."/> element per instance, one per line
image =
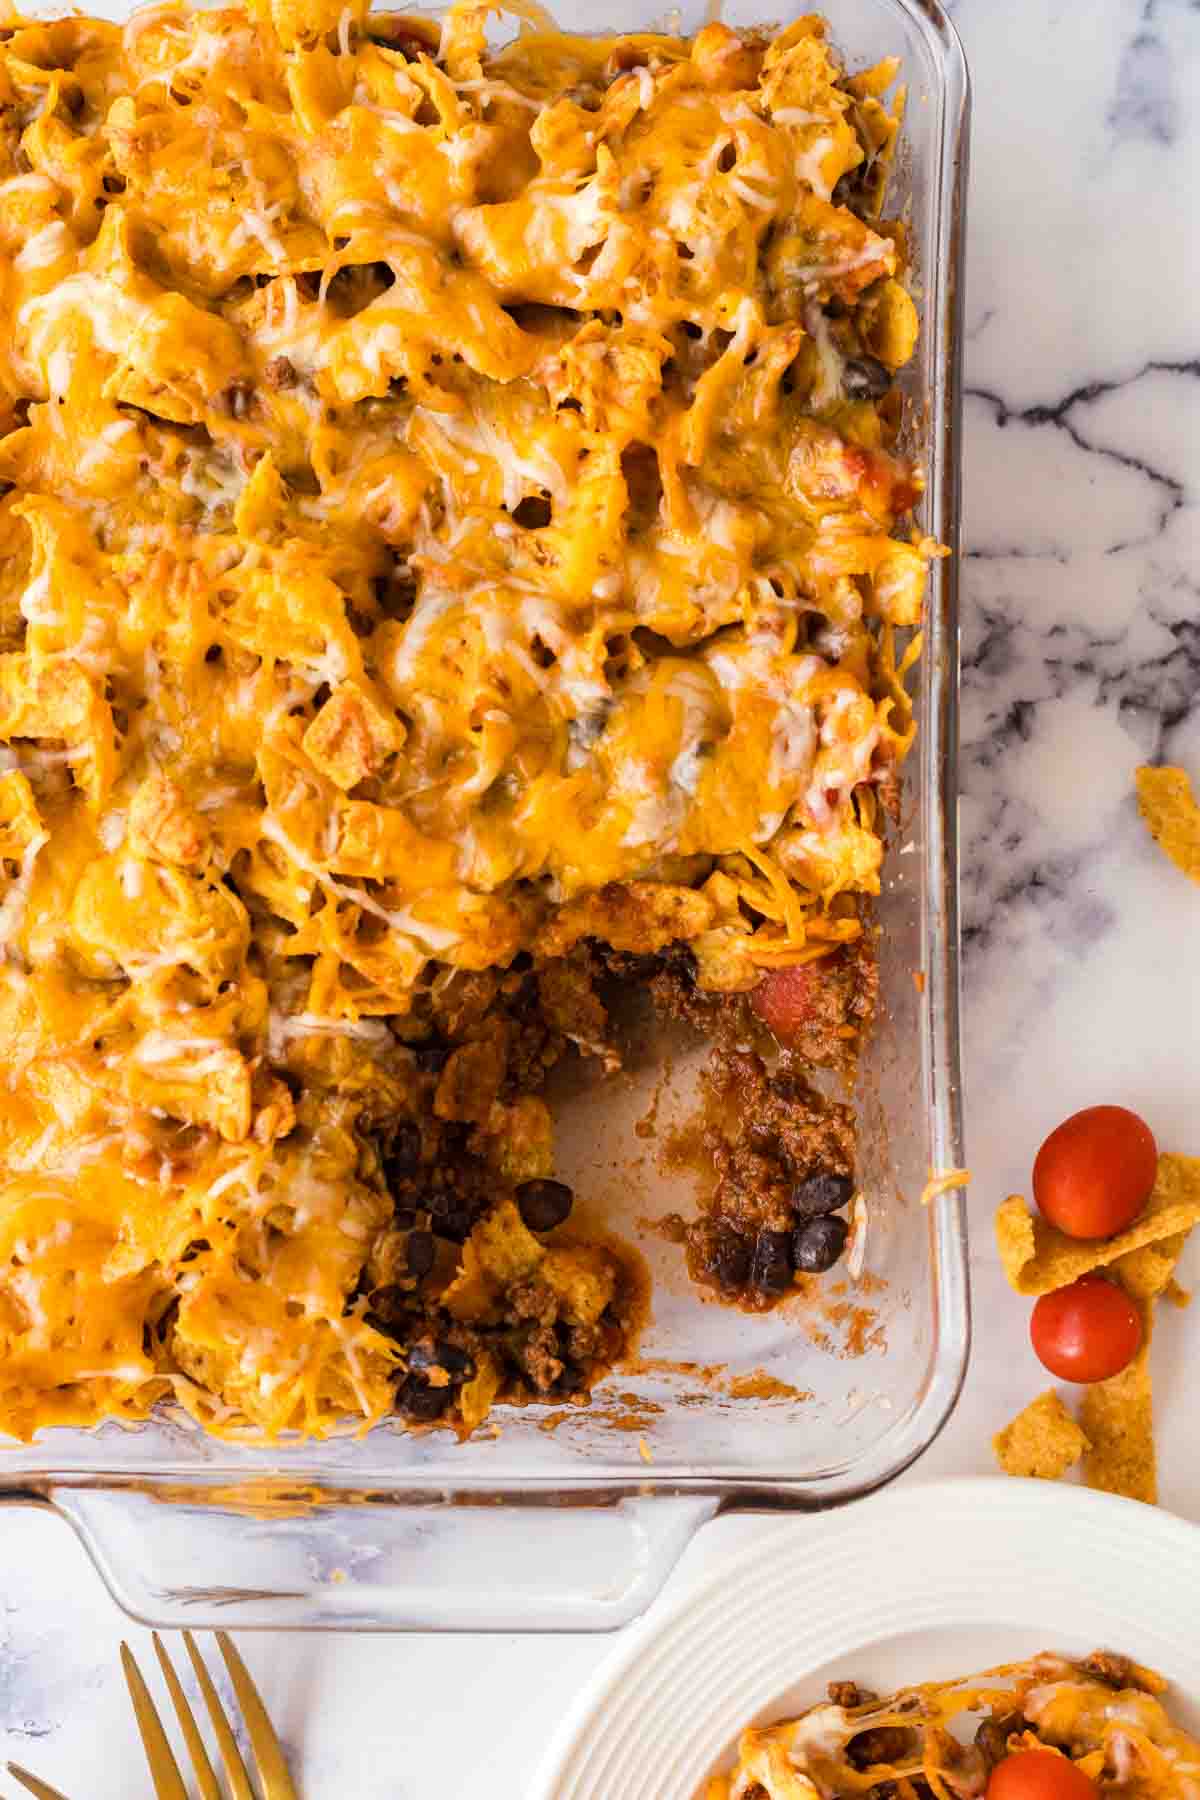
<point x="919" y="1583"/>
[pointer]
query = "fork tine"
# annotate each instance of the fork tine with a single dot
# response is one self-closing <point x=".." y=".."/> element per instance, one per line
<point x="235" y="1768"/>
<point x="272" y="1770"/>
<point x="42" y="1789"/>
<point x="183" y="1712"/>
<point x="164" y="1770"/>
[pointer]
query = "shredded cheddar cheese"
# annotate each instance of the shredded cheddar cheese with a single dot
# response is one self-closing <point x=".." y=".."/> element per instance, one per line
<point x="438" y="519"/>
<point x="943" y="1181"/>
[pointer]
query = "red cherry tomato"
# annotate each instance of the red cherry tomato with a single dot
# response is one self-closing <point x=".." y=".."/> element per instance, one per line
<point x="785" y="1000"/>
<point x="1086" y="1332"/>
<point x="1039" y="1775"/>
<point x="1093" y="1175"/>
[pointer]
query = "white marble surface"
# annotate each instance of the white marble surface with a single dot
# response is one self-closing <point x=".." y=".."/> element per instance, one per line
<point x="1081" y="657"/>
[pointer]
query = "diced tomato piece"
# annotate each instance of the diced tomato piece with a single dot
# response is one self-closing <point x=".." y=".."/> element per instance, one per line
<point x="785" y="1000"/>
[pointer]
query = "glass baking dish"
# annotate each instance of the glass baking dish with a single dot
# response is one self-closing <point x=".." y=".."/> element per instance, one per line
<point x="573" y="1520"/>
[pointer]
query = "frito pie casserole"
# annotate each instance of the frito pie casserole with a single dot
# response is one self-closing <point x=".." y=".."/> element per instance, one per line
<point x="1103" y="1716"/>
<point x="453" y="548"/>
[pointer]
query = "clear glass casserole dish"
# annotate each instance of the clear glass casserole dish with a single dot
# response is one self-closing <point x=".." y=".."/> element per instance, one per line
<point x="573" y="1520"/>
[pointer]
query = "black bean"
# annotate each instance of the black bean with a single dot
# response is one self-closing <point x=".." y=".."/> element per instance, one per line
<point x="817" y="1245"/>
<point x="405" y="1152"/>
<point x="821" y="1193"/>
<point x="455" y="1225"/>
<point x="389" y="1307"/>
<point x="544" y="1204"/>
<point x="420" y="1250"/>
<point x="865" y="379"/>
<point x="855" y="188"/>
<point x="420" y="1401"/>
<point x="456" y="1362"/>
<point x="425" y="1354"/>
<point x="730" y="1260"/>
<point x="771" y="1266"/>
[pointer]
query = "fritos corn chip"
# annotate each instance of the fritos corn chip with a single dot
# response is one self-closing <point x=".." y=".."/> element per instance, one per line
<point x="1043" y="1440"/>
<point x="1150" y="1270"/>
<point x="1038" y="1258"/>
<point x="1117" y="1417"/>
<point x="1115" y="1434"/>
<point x="1168" y="805"/>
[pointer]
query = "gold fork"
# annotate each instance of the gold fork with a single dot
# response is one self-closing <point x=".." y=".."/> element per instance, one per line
<point x="42" y="1789"/>
<point x="164" y="1770"/>
<point x="168" y="1784"/>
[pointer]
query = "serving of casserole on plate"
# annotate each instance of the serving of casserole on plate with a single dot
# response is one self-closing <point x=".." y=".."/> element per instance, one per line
<point x="454" y="545"/>
<point x="831" y="1656"/>
<point x="1046" y="1726"/>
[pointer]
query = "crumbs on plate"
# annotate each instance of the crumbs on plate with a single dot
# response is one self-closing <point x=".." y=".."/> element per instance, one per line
<point x="1170" y="809"/>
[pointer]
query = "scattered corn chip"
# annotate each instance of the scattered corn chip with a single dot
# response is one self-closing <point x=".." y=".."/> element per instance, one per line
<point x="1043" y="1440"/>
<point x="1118" y="1415"/>
<point x="479" y="1393"/>
<point x="1166" y="802"/>
<point x="1037" y="1258"/>
<point x="1150" y="1270"/>
<point x="1118" y="1418"/>
<point x="1115" y="1434"/>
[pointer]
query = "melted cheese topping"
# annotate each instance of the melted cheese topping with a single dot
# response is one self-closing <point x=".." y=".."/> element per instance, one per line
<point x="1116" y="1730"/>
<point x="431" y="496"/>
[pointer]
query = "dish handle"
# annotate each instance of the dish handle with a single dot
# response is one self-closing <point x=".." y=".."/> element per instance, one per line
<point x="295" y="1560"/>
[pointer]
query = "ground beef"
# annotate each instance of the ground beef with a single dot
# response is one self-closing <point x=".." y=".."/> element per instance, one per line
<point x="991" y="1739"/>
<point x="572" y="1007"/>
<point x="767" y="1129"/>
<point x="281" y="373"/>
<point x="488" y="1040"/>
<point x="538" y="1353"/>
<point x="880" y="1744"/>
<point x="504" y="1013"/>
<point x="848" y="1694"/>
<point x="481" y="1042"/>
<point x="723" y="1018"/>
<point x="841" y="995"/>
<point x="767" y="1133"/>
<point x="1107" y="1666"/>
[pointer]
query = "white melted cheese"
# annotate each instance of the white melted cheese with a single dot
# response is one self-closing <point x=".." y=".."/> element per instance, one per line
<point x="283" y="1027"/>
<point x="45" y="247"/>
<point x="16" y="900"/>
